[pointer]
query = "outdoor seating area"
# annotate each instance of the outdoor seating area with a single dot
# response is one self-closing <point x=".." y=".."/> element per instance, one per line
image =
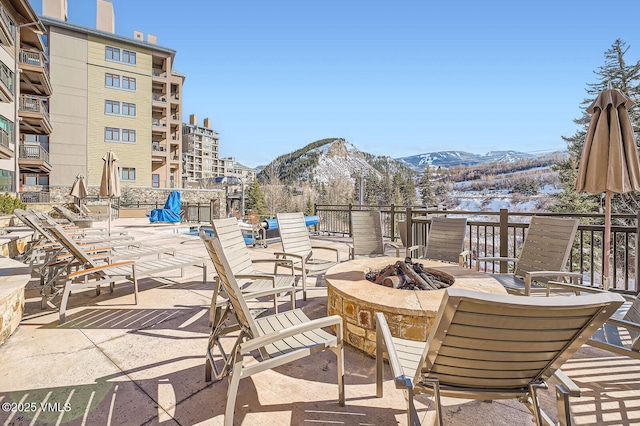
<point x="162" y="352"/>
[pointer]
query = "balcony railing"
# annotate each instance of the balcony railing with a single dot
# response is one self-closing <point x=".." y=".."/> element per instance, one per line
<point x="159" y="97"/>
<point x="159" y="72"/>
<point x="29" y="103"/>
<point x="31" y="57"/>
<point x="159" y="123"/>
<point x="34" y="152"/>
<point x="491" y="234"/>
<point x="157" y="148"/>
<point x="4" y="139"/>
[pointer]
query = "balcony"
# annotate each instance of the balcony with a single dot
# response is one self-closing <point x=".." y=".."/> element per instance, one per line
<point x="34" y="114"/>
<point x="7" y="28"/>
<point x="35" y="72"/>
<point x="159" y="97"/>
<point x="159" y="74"/>
<point x="175" y="117"/>
<point x="6" y="83"/>
<point x="6" y="152"/>
<point x="159" y="123"/>
<point x="34" y="159"/>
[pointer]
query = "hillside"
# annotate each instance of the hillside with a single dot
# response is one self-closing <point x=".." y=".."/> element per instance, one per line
<point x="461" y="158"/>
<point x="329" y="159"/>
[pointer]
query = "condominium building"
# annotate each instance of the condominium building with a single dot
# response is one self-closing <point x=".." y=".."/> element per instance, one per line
<point x="200" y="151"/>
<point x="111" y="93"/>
<point x="24" y="98"/>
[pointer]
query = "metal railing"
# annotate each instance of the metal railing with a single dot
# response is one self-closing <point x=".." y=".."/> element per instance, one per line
<point x="34" y="152"/>
<point x="8" y="22"/>
<point x="190" y="212"/>
<point x="35" y="197"/>
<point x="31" y="57"/>
<point x="491" y="234"/>
<point x="30" y="103"/>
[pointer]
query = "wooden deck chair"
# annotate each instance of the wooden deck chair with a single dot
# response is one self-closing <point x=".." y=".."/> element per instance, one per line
<point x="445" y="241"/>
<point x="487" y="346"/>
<point x="367" y="236"/>
<point x="543" y="257"/>
<point x="296" y="246"/>
<point x="278" y="339"/>
<point x="250" y="281"/>
<point x="82" y="267"/>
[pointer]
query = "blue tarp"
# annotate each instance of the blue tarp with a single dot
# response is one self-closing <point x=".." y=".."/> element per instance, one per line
<point x="273" y="223"/>
<point x="170" y="212"/>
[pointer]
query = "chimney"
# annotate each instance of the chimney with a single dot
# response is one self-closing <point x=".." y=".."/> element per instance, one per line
<point x="138" y="35"/>
<point x="152" y="39"/>
<point x="207" y="123"/>
<point x="193" y="120"/>
<point x="56" y="9"/>
<point x="105" y="18"/>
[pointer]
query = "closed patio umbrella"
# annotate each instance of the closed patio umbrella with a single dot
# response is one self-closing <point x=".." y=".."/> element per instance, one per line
<point x="79" y="190"/>
<point x="110" y="184"/>
<point x="609" y="160"/>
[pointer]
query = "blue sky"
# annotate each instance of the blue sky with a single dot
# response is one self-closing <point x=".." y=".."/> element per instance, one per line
<point x="394" y="78"/>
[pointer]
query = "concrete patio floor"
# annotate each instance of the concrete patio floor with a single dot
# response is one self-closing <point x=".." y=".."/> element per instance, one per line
<point x="117" y="363"/>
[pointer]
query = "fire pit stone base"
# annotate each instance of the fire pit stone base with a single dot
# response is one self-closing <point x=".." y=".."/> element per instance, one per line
<point x="410" y="313"/>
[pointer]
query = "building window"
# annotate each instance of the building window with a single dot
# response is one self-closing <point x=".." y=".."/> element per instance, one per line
<point x="111" y="134"/>
<point x="128" y="109"/>
<point x="128" y="83"/>
<point x="128" y="57"/>
<point x="112" y="53"/>
<point x="155" y="181"/>
<point x="128" y="173"/>
<point x="128" y="135"/>
<point x="112" y="80"/>
<point x="7" y="126"/>
<point x="111" y="107"/>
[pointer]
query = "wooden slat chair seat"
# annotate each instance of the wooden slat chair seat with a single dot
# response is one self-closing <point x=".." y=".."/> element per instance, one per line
<point x="445" y="242"/>
<point x="625" y="320"/>
<point x="251" y="281"/>
<point x="367" y="236"/>
<point x="276" y="339"/>
<point x="487" y="346"/>
<point x="84" y="267"/>
<point x="543" y="257"/>
<point x="297" y="247"/>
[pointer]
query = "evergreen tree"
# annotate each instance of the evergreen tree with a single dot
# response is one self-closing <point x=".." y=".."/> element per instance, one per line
<point x="425" y="188"/>
<point x="255" y="198"/>
<point x="617" y="74"/>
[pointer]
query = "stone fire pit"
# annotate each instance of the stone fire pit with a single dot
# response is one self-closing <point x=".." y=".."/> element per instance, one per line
<point x="409" y="313"/>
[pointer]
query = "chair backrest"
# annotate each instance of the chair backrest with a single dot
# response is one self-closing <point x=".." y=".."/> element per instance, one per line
<point x="32" y="222"/>
<point x="633" y="315"/>
<point x="366" y="232"/>
<point x="505" y="342"/>
<point x="547" y="246"/>
<point x="294" y="234"/>
<point x="232" y="242"/>
<point x="230" y="285"/>
<point x="446" y="239"/>
<point x="67" y="242"/>
<point x="68" y="214"/>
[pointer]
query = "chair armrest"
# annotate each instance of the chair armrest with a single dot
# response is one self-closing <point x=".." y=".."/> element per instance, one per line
<point x="413" y="248"/>
<point x="530" y="276"/>
<point x="337" y="252"/>
<point x="395" y="246"/>
<point x="281" y="253"/>
<point x="464" y="257"/>
<point x="287" y="262"/>
<point x="633" y="326"/>
<point x="105" y="267"/>
<point x="400" y="379"/>
<point x="568" y="384"/>
<point x="275" y="336"/>
<point x="493" y="259"/>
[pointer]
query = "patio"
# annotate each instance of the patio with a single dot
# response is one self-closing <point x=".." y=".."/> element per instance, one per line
<point x="115" y="362"/>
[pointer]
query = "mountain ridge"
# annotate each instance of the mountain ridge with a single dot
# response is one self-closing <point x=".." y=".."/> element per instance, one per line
<point x="462" y="158"/>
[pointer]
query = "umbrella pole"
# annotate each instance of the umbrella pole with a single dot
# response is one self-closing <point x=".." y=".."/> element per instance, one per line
<point x="109" y="217"/>
<point x="607" y="241"/>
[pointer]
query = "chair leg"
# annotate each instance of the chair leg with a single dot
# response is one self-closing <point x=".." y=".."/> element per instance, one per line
<point x="380" y="349"/>
<point x="340" y="359"/>
<point x="232" y="392"/>
<point x="436" y="399"/>
<point x="535" y="405"/>
<point x="135" y="283"/>
<point x="564" y="411"/>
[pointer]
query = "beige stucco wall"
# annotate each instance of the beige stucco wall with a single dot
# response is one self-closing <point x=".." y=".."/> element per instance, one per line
<point x="138" y="154"/>
<point x="68" y="110"/>
<point x="8" y="109"/>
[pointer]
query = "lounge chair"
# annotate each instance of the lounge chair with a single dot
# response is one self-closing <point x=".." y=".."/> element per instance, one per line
<point x="626" y="320"/>
<point x="250" y="281"/>
<point x="486" y="346"/>
<point x="277" y="339"/>
<point x="543" y="257"/>
<point x="81" y="266"/>
<point x="296" y="246"/>
<point x="76" y="219"/>
<point x="366" y="232"/>
<point x="445" y="242"/>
